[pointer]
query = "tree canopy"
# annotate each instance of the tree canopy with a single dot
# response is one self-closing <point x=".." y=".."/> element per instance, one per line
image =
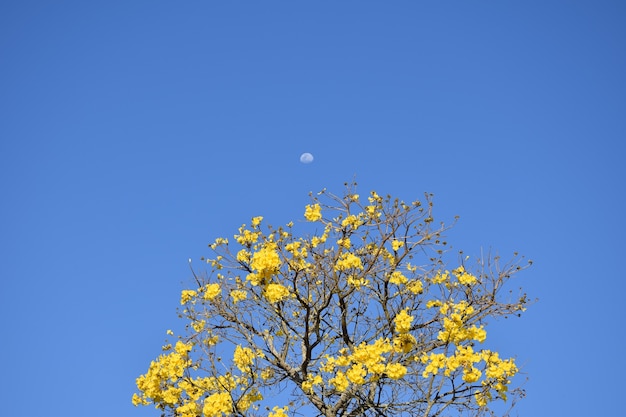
<point x="363" y="315"/>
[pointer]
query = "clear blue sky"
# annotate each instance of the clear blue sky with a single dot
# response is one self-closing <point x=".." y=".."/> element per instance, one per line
<point x="132" y="133"/>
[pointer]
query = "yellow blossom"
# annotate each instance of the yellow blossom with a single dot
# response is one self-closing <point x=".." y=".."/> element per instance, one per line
<point x="353" y="221"/>
<point x="211" y="291"/>
<point x="395" y="370"/>
<point x="397" y="278"/>
<point x="340" y="382"/>
<point x="218" y="404"/>
<point x="396" y="244"/>
<point x="238" y="295"/>
<point x="243" y="358"/>
<point x="357" y="281"/>
<point x="311" y="381"/>
<point x="246" y="237"/>
<point x="313" y="212"/>
<point x="434" y="361"/>
<point x="243" y="256"/>
<point x="278" y="412"/>
<point x="440" y="278"/>
<point x="471" y="374"/>
<point x="267" y="373"/>
<point x="404" y="342"/>
<point x="186" y="296"/>
<point x="464" y="277"/>
<point x="198" y="326"/>
<point x="256" y="221"/>
<point x="403" y="322"/>
<point x="347" y="261"/>
<point x="356" y="374"/>
<point x="266" y="261"/>
<point x="415" y="286"/>
<point x="345" y="242"/>
<point x="276" y="292"/>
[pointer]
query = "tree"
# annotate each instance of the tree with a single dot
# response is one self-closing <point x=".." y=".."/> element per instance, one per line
<point x="361" y="317"/>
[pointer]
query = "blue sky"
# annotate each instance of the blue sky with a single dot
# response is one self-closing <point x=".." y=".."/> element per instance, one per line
<point x="134" y="133"/>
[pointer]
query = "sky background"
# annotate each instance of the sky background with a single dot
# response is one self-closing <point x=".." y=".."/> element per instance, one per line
<point x="132" y="133"/>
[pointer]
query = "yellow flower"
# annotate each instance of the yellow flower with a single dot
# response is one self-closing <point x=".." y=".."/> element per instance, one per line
<point x="278" y="412"/>
<point x="403" y="322"/>
<point x="311" y="381"/>
<point x="211" y="291"/>
<point x="266" y="261"/>
<point x="217" y="404"/>
<point x="246" y="237"/>
<point x="356" y="374"/>
<point x="256" y="221"/>
<point x="471" y="374"/>
<point x="396" y="244"/>
<point x="198" y="326"/>
<point x="276" y="292"/>
<point x="243" y="358"/>
<point x="357" y="281"/>
<point x="435" y="361"/>
<point x="238" y="295"/>
<point x="464" y="277"/>
<point x="415" y="286"/>
<point x="267" y="373"/>
<point x="340" y="382"/>
<point x="481" y="398"/>
<point x="352" y="221"/>
<point x="345" y="242"/>
<point x="397" y="278"/>
<point x="347" y="261"/>
<point x="433" y="303"/>
<point x="243" y="256"/>
<point x="187" y="295"/>
<point x="395" y="370"/>
<point x="313" y="212"/>
<point x="404" y="343"/>
<point x="440" y="278"/>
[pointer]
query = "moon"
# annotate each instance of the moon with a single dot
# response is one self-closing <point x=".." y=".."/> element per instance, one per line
<point x="306" y="158"/>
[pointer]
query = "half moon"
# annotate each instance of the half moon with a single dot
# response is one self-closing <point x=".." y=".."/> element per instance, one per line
<point x="306" y="158"/>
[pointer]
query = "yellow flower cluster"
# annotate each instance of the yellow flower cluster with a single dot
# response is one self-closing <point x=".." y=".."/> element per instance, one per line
<point x="187" y="295"/>
<point x="366" y="360"/>
<point x="464" y="277"/>
<point x="415" y="286"/>
<point x="243" y="358"/>
<point x="396" y="277"/>
<point x="256" y="221"/>
<point x="310" y="382"/>
<point x="454" y="329"/>
<point x="238" y="295"/>
<point x="396" y="244"/>
<point x="404" y="342"/>
<point x="275" y="293"/>
<point x="403" y="322"/>
<point x="497" y="371"/>
<point x="246" y="237"/>
<point x="348" y="261"/>
<point x="313" y="212"/>
<point x="278" y="412"/>
<point x="217" y="405"/>
<point x="265" y="262"/>
<point x="353" y="221"/>
<point x="156" y="384"/>
<point x="357" y="281"/>
<point x="211" y="291"/>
